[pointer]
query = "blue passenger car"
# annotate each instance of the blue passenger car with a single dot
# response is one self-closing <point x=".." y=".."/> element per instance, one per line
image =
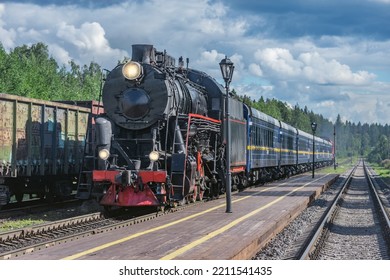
<point x="305" y="150"/>
<point x="277" y="150"/>
<point x="288" y="151"/>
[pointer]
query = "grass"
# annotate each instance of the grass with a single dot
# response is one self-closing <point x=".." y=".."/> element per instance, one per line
<point x="382" y="172"/>
<point x="16" y="224"/>
<point x="343" y="165"/>
<point x="330" y="169"/>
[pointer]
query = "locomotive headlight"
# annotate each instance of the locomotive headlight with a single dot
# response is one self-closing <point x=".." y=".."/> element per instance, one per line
<point x="132" y="70"/>
<point x="153" y="156"/>
<point x="104" y="154"/>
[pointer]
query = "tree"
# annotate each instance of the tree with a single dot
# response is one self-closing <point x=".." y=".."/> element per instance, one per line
<point x="30" y="71"/>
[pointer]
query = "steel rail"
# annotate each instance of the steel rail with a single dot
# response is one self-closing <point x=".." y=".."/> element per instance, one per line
<point x="383" y="213"/>
<point x="326" y="218"/>
<point x="49" y="229"/>
<point x="309" y="246"/>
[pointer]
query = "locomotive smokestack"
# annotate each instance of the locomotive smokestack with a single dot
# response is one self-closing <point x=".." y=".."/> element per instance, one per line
<point x="143" y="53"/>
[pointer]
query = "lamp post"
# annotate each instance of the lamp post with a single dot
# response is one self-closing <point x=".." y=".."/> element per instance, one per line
<point x="313" y="128"/>
<point x="227" y="69"/>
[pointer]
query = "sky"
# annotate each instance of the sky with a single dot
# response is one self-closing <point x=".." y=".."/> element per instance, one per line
<point x="331" y="56"/>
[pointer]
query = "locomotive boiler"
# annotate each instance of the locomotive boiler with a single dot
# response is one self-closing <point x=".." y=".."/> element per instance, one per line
<point x="159" y="141"/>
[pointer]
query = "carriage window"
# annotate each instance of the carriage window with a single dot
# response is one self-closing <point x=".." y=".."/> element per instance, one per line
<point x="290" y="143"/>
<point x="256" y="136"/>
<point x="261" y="137"/>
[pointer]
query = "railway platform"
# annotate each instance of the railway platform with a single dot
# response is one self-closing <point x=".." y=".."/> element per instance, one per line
<point x="204" y="231"/>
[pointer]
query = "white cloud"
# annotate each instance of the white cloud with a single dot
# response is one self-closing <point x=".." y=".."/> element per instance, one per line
<point x="382" y="108"/>
<point x="90" y="37"/>
<point x="90" y="42"/>
<point x="255" y="69"/>
<point x="7" y="37"/>
<point x="60" y="54"/>
<point x="309" y="66"/>
<point x="325" y="73"/>
<point x="279" y="61"/>
<point x="367" y="110"/>
<point x="210" y="58"/>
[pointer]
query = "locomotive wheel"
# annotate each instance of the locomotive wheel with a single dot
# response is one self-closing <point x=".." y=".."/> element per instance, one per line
<point x="243" y="183"/>
<point x="200" y="193"/>
<point x="193" y="197"/>
<point x="180" y="202"/>
<point x="201" y="182"/>
<point x="173" y="204"/>
<point x="215" y="191"/>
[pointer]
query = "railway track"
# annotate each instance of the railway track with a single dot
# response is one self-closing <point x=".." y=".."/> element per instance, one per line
<point x="27" y="240"/>
<point x="356" y="226"/>
<point x="26" y="209"/>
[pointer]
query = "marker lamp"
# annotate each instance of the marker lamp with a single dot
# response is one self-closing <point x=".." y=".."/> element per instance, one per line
<point x="104" y="154"/>
<point x="154" y="156"/>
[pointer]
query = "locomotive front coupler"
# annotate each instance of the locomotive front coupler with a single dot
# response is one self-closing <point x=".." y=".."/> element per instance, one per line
<point x="127" y="178"/>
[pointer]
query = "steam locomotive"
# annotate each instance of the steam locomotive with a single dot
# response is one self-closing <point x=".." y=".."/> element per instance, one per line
<point x="162" y="141"/>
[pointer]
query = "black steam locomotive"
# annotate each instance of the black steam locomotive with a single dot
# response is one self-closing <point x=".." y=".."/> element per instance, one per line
<point x="161" y="138"/>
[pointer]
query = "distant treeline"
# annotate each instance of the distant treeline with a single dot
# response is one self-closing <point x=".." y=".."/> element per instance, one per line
<point x="31" y="72"/>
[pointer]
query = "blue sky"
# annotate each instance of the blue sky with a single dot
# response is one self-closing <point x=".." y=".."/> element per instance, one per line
<point x="329" y="55"/>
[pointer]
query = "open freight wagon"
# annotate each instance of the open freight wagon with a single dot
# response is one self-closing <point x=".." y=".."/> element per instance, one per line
<point x="41" y="146"/>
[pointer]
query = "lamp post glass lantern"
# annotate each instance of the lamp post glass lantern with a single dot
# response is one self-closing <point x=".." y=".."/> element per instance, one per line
<point x="313" y="128"/>
<point x="227" y="69"/>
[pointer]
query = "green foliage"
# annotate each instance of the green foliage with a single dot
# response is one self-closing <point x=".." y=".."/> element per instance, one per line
<point x="382" y="172"/>
<point x="386" y="163"/>
<point x="15" y="224"/>
<point x="29" y="71"/>
<point x="381" y="151"/>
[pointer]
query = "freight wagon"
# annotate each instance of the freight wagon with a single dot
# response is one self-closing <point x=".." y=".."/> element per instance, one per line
<point x="41" y="146"/>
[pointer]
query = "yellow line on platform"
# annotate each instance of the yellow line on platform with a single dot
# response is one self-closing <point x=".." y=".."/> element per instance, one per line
<point x="230" y="225"/>
<point x="119" y="241"/>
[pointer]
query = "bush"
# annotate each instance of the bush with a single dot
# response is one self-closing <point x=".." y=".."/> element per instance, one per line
<point x="385" y="163"/>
